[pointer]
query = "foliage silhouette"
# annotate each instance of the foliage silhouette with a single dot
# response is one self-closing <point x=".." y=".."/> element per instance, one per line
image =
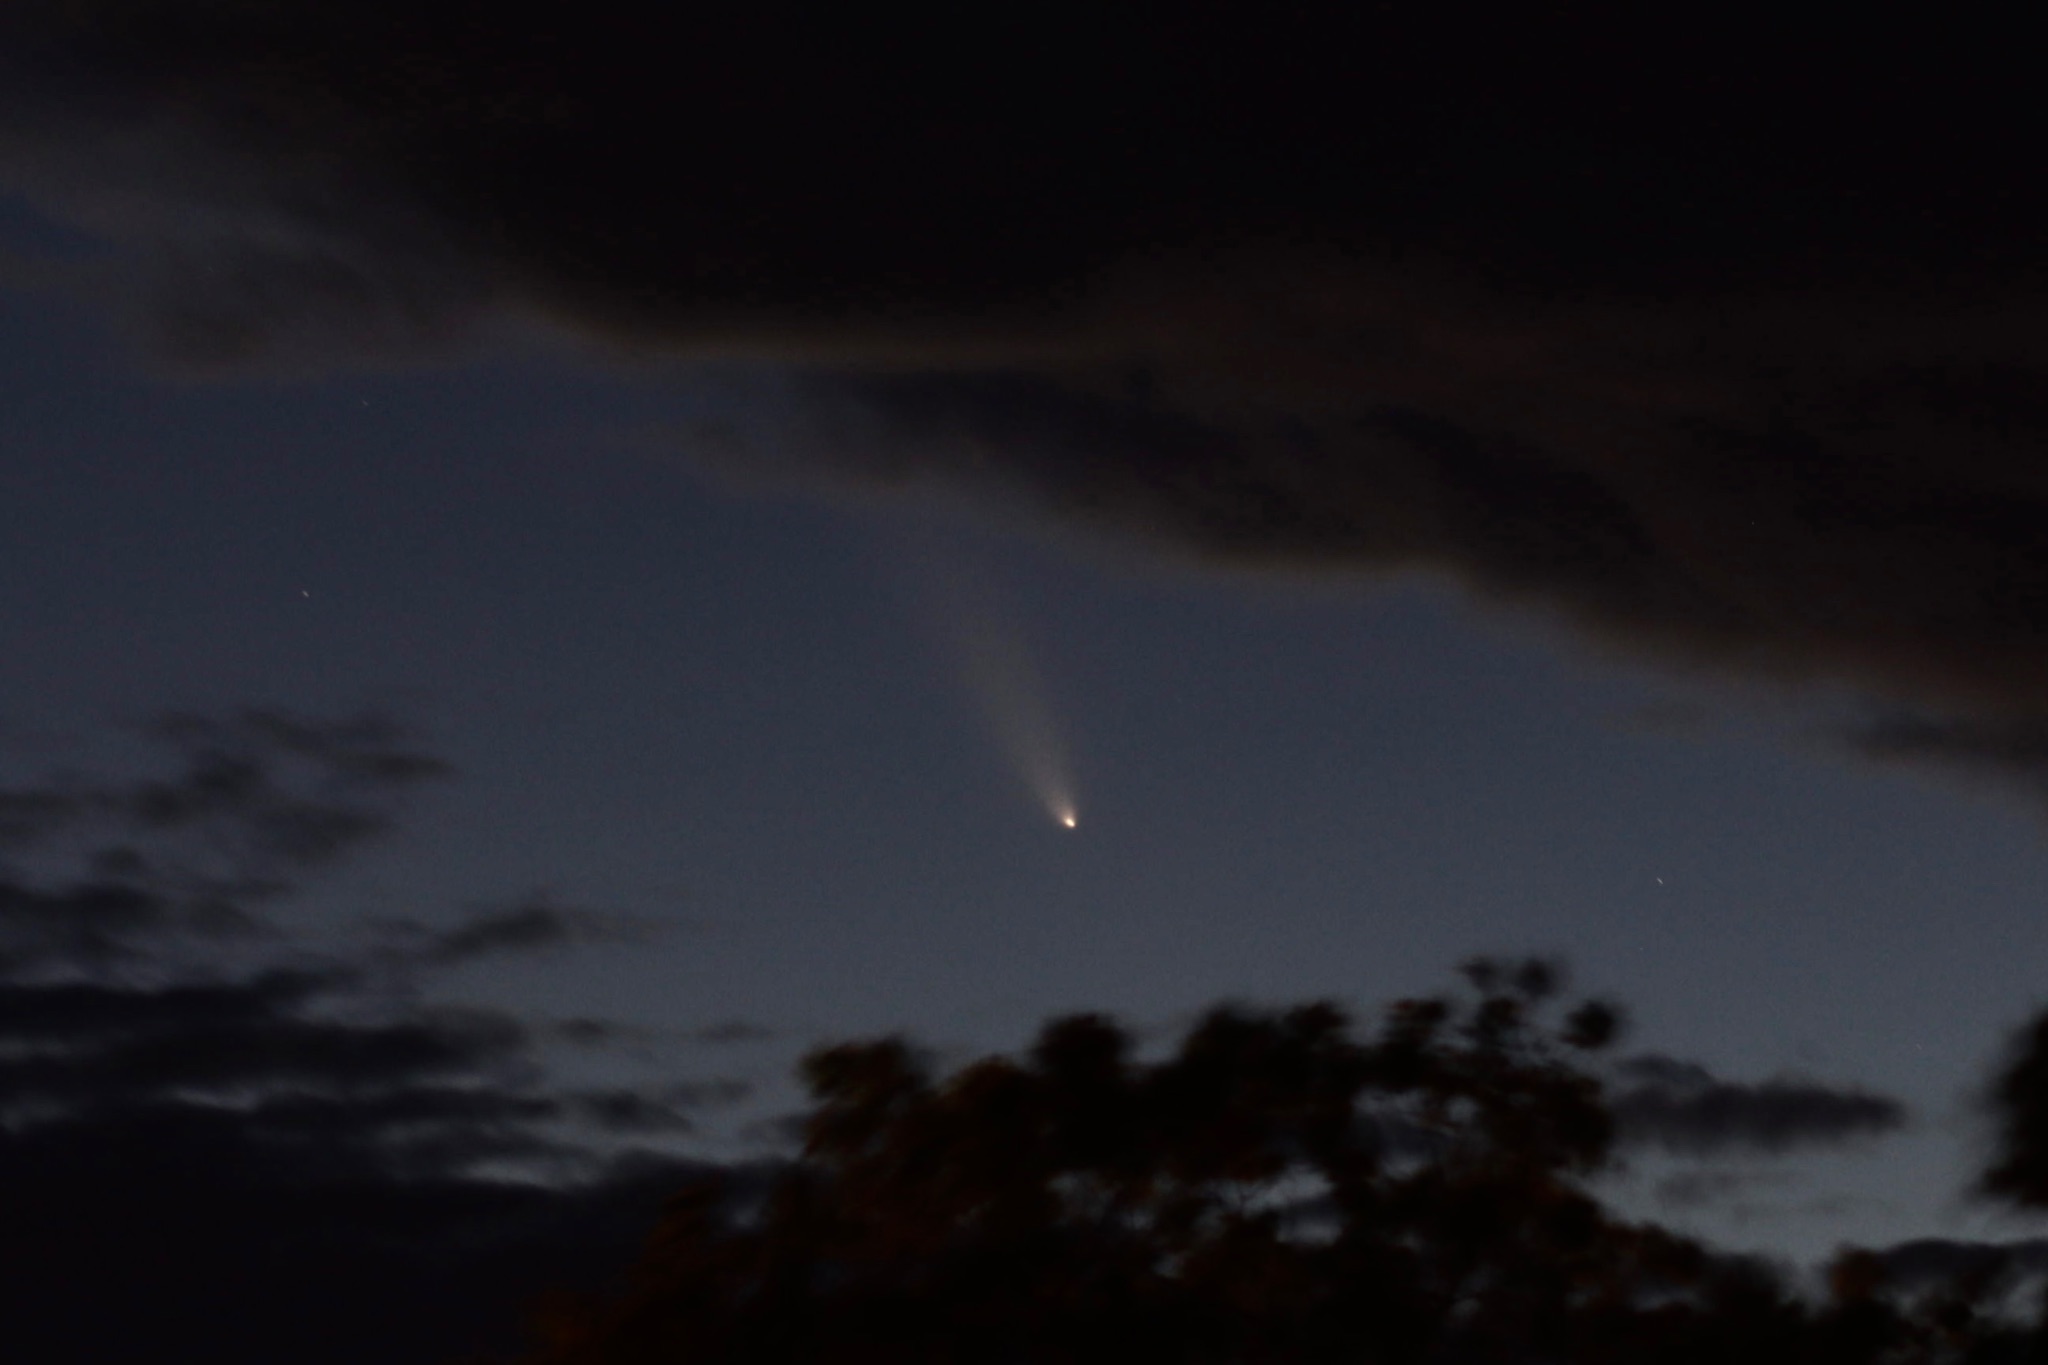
<point x="1277" y="1190"/>
<point x="2019" y="1102"/>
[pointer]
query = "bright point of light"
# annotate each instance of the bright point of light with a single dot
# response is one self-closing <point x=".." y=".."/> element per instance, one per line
<point x="1069" y="819"/>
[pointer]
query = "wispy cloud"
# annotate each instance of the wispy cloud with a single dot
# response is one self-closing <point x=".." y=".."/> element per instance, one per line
<point x="2009" y="750"/>
<point x="302" y="1162"/>
<point x="1682" y="1107"/>
<point x="527" y="928"/>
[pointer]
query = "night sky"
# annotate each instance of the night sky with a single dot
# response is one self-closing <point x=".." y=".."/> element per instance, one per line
<point x="1416" y="486"/>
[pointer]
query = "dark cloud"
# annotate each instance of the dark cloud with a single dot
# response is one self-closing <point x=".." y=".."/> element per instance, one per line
<point x="257" y="1044"/>
<point x="876" y="178"/>
<point x="103" y="921"/>
<point x="250" y="1181"/>
<point x="89" y="1013"/>
<point x="93" y="871"/>
<point x="288" y="1159"/>
<point x="1742" y="525"/>
<point x="2009" y="750"/>
<point x="628" y="1111"/>
<point x="28" y="817"/>
<point x="1682" y="1107"/>
<point x="1927" y="1261"/>
<point x="167" y="1232"/>
<point x="1713" y="340"/>
<point x="283" y="794"/>
<point x="278" y="1166"/>
<point x="666" y="1110"/>
<point x="532" y="927"/>
<point x="587" y="1032"/>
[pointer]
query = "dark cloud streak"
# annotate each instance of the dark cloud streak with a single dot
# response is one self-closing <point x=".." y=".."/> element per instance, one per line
<point x="2011" y="751"/>
<point x="533" y="927"/>
<point x="1682" y="1107"/>
<point x="92" y="871"/>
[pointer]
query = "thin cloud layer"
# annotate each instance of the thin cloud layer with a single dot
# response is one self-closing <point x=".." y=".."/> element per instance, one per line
<point x="95" y="872"/>
<point x="1715" y="342"/>
<point x="532" y="927"/>
<point x="2009" y="751"/>
<point x="1683" y="1107"/>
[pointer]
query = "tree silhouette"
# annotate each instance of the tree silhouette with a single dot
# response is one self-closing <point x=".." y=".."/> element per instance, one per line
<point x="2019" y="1104"/>
<point x="1277" y="1190"/>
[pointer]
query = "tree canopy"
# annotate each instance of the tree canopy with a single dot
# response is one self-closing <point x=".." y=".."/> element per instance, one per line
<point x="1278" y="1189"/>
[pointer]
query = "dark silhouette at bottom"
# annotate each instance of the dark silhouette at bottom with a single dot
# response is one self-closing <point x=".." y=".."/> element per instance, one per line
<point x="1278" y="1190"/>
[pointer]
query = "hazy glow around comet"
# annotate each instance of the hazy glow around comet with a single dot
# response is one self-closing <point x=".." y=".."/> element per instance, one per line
<point x="1000" y="674"/>
<point x="1002" y="677"/>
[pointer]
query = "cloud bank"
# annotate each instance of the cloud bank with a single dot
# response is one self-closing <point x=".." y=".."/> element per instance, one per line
<point x="214" y="1137"/>
<point x="1719" y="342"/>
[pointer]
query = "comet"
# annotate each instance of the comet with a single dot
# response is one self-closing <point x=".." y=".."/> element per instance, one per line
<point x="1001" y="676"/>
<point x="981" y="631"/>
